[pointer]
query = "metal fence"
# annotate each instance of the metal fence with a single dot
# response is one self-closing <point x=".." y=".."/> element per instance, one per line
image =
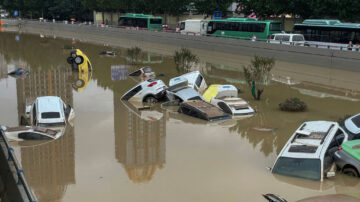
<point x="21" y="180"/>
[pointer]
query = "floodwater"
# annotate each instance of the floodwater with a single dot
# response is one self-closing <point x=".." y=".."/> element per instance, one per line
<point x="115" y="153"/>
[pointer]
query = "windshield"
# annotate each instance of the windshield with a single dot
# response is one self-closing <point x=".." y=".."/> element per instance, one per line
<point x="50" y="115"/>
<point x="295" y="167"/>
<point x="51" y="124"/>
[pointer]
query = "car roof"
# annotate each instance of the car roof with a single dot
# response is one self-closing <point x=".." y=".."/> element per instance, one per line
<point x="49" y="104"/>
<point x="309" y="139"/>
<point x="353" y="124"/>
<point x="287" y="34"/>
<point x="191" y="77"/>
<point x="187" y="93"/>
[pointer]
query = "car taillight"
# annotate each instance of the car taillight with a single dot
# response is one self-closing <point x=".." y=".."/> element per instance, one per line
<point x="340" y="148"/>
<point x="152" y="84"/>
<point x="268" y="37"/>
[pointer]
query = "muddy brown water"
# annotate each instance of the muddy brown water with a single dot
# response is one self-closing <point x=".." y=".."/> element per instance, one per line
<point x="114" y="153"/>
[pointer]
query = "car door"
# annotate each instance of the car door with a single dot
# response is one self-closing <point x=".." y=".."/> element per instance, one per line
<point x="337" y="140"/>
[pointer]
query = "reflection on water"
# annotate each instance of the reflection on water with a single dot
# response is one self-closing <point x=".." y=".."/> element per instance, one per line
<point x="50" y="168"/>
<point x="142" y="139"/>
<point x="139" y="141"/>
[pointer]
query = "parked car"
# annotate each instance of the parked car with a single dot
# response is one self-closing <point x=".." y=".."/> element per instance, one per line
<point x="144" y="72"/>
<point x="150" y="91"/>
<point x="347" y="159"/>
<point x="226" y="98"/>
<point x="49" y="111"/>
<point x="31" y="133"/>
<point x="309" y="153"/>
<point x="181" y="92"/>
<point x="352" y="127"/>
<point x="288" y="39"/>
<point x="195" y="80"/>
<point x="79" y="61"/>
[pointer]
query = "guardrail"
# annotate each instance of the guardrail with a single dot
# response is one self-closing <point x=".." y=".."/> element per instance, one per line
<point x="20" y="173"/>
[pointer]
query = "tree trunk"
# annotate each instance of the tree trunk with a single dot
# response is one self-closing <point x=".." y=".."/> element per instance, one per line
<point x="259" y="92"/>
<point x="103" y="16"/>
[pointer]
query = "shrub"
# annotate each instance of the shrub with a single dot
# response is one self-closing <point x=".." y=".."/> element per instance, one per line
<point x="185" y="59"/>
<point x="293" y="105"/>
<point x="134" y="54"/>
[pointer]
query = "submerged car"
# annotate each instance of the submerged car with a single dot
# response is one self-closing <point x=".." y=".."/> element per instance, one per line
<point x="182" y="92"/>
<point x="150" y="91"/>
<point x="347" y="159"/>
<point x="79" y="61"/>
<point x="49" y="111"/>
<point x="225" y="97"/>
<point x="195" y="81"/>
<point x="202" y="110"/>
<point x="144" y="72"/>
<point x="352" y="127"/>
<point x="31" y="133"/>
<point x="309" y="153"/>
<point x="20" y="72"/>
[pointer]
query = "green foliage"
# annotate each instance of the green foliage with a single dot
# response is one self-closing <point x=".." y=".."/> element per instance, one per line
<point x="134" y="54"/>
<point x="185" y="59"/>
<point x="347" y="10"/>
<point x="257" y="73"/>
<point x="293" y="105"/>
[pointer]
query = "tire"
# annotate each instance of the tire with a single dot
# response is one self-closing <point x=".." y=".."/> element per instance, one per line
<point x="351" y="172"/>
<point x="150" y="99"/>
<point x="70" y="60"/>
<point x="78" y="60"/>
<point x="79" y="83"/>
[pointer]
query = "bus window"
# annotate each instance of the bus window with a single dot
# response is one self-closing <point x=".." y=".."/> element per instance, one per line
<point x="141" y="22"/>
<point x="155" y="21"/>
<point x="275" y="26"/>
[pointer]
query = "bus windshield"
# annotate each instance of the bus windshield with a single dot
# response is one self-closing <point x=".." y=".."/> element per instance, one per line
<point x="296" y="167"/>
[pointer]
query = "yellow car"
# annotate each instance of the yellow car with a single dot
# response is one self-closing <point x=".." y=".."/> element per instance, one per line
<point x="81" y="63"/>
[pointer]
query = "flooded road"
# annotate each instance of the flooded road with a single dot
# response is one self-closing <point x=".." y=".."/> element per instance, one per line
<point x="114" y="153"/>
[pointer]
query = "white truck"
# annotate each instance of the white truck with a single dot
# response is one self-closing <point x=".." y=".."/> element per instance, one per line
<point x="193" y="27"/>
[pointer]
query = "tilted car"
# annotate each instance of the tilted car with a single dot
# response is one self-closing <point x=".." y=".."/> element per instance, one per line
<point x="195" y="81"/>
<point x="352" y="127"/>
<point x="79" y="61"/>
<point x="226" y="98"/>
<point x="49" y="111"/>
<point x="181" y="92"/>
<point x="151" y="91"/>
<point x="309" y="153"/>
<point x="347" y="159"/>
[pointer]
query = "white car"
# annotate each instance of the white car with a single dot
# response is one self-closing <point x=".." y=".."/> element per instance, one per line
<point x="49" y="111"/>
<point x="309" y="153"/>
<point x="31" y="133"/>
<point x="288" y="39"/>
<point x="195" y="81"/>
<point x="150" y="91"/>
<point x="352" y="127"/>
<point x="226" y="98"/>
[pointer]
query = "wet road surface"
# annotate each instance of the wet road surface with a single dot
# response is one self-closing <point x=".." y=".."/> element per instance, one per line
<point x="114" y="153"/>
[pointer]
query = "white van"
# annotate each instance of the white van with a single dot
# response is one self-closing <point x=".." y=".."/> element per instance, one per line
<point x="193" y="27"/>
<point x="288" y="39"/>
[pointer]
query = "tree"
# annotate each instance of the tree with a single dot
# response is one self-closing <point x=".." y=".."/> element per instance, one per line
<point x="257" y="74"/>
<point x="185" y="59"/>
<point x="209" y="6"/>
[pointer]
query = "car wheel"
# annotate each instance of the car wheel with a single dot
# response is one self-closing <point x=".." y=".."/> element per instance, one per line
<point x="79" y="83"/>
<point x="351" y="171"/>
<point x="78" y="60"/>
<point x="70" y="60"/>
<point x="150" y="99"/>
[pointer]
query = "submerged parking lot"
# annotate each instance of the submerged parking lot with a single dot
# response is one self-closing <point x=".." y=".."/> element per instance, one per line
<point x="114" y="153"/>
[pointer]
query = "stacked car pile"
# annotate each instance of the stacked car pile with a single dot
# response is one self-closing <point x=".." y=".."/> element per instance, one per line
<point x="191" y="93"/>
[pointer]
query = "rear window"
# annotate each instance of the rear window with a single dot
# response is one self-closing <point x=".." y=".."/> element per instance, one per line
<point x="356" y="121"/>
<point x="50" y="115"/>
<point x="155" y="21"/>
<point x="298" y="38"/>
<point x="275" y="26"/>
<point x="296" y="167"/>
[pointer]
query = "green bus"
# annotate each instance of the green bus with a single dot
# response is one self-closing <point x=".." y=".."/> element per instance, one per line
<point x="243" y="28"/>
<point x="328" y="32"/>
<point x="140" y="21"/>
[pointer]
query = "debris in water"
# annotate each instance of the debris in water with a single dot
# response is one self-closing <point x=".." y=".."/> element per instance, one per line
<point x="19" y="72"/>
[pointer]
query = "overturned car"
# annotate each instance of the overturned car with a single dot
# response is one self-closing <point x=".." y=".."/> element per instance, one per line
<point x="151" y="91"/>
